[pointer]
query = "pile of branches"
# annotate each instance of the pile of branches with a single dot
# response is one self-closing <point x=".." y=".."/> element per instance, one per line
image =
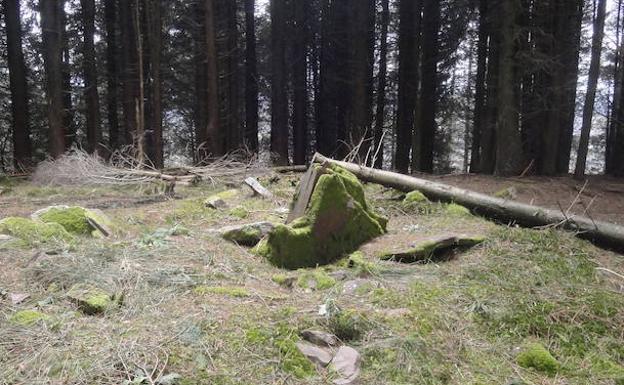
<point x="78" y="168"/>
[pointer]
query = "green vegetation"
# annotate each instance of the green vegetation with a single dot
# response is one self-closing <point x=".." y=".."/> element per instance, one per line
<point x="455" y="209"/>
<point x="28" y="317"/>
<point x="415" y="197"/>
<point x="231" y="291"/>
<point x="536" y="356"/>
<point x="316" y="279"/>
<point x="338" y="220"/>
<point x="34" y="233"/>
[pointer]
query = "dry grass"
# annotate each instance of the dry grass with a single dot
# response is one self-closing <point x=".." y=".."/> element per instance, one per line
<point x="454" y="322"/>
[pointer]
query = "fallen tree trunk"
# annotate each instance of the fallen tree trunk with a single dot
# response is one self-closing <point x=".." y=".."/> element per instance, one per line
<point x="602" y="233"/>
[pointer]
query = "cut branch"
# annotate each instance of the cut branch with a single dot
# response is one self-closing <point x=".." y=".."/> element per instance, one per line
<point x="602" y="233"/>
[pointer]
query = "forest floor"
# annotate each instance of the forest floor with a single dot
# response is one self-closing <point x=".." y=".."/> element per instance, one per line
<point x="212" y="312"/>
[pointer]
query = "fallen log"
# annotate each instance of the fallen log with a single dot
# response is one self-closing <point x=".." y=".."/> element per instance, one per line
<point x="602" y="233"/>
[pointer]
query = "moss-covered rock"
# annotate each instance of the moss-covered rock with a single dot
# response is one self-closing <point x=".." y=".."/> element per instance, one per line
<point x="537" y="357"/>
<point x="77" y="220"/>
<point x="92" y="300"/>
<point x="415" y="197"/>
<point x="316" y="280"/>
<point x="28" y="317"/>
<point x="431" y="248"/>
<point x="458" y="210"/>
<point x="247" y="235"/>
<point x="33" y="232"/>
<point x="337" y="220"/>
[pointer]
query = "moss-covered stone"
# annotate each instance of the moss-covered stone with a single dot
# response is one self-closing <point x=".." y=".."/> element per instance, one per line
<point x="77" y="220"/>
<point x="455" y="209"/>
<point x="537" y="357"/>
<point x="91" y="300"/>
<point x="415" y="197"/>
<point x="338" y="219"/>
<point x="28" y="317"/>
<point x="430" y="248"/>
<point x="33" y="232"/>
<point x="248" y="234"/>
<point x="239" y="212"/>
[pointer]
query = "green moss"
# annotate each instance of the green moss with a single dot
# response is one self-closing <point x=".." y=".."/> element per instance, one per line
<point x="317" y="279"/>
<point x="227" y="194"/>
<point x="91" y="300"/>
<point x="239" y="212"/>
<point x="232" y="291"/>
<point x="506" y="193"/>
<point x="455" y="209"/>
<point x="536" y="356"/>
<point x="28" y="317"/>
<point x="349" y="325"/>
<point x="338" y="220"/>
<point x="363" y="268"/>
<point x="291" y="359"/>
<point x="248" y="235"/>
<point x="73" y="219"/>
<point x="415" y="197"/>
<point x="429" y="249"/>
<point x="32" y="232"/>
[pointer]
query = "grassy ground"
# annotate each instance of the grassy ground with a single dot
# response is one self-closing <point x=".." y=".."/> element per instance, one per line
<point x="214" y="313"/>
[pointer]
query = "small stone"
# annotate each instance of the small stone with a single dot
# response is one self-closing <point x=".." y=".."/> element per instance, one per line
<point x="346" y="364"/>
<point x="339" y="275"/>
<point x="320" y="338"/>
<point x="169" y="379"/>
<point x="249" y="234"/>
<point x="17" y="298"/>
<point x="215" y="202"/>
<point x="90" y="300"/>
<point x="317" y="355"/>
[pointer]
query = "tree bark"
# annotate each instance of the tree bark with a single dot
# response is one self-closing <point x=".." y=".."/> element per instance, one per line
<point x="508" y="143"/>
<point x="602" y="233"/>
<point x="112" y="77"/>
<point x="480" y="88"/>
<point x="488" y="131"/>
<point x="592" y="83"/>
<point x="429" y="81"/>
<point x="381" y="86"/>
<point x="300" y="86"/>
<point x="279" y="95"/>
<point x="326" y="114"/>
<point x="53" y="62"/>
<point x="154" y="131"/>
<point x="68" y="117"/>
<point x="408" y="81"/>
<point x="18" y="85"/>
<point x="251" y="78"/>
<point x="130" y="69"/>
<point x="92" y="100"/>
<point x="214" y="145"/>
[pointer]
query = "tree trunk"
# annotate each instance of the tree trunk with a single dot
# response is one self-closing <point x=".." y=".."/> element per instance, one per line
<point x="300" y="86"/>
<point x="408" y="81"/>
<point x="53" y="62"/>
<point x="326" y="115"/>
<point x="130" y="70"/>
<point x="488" y="131"/>
<point x="381" y="86"/>
<point x="592" y="83"/>
<point x="154" y="132"/>
<point x="214" y="145"/>
<point x="68" y="117"/>
<point x="429" y="81"/>
<point x="615" y="97"/>
<point x="18" y="85"/>
<point x="112" y="77"/>
<point x="279" y="95"/>
<point x="361" y="41"/>
<point x="233" y="132"/>
<point x="480" y="89"/>
<point x="603" y="233"/>
<point x="508" y="143"/>
<point x="251" y="78"/>
<point x="92" y="100"/>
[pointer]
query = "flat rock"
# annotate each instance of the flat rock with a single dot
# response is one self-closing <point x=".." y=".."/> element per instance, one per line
<point x="346" y="364"/>
<point x="17" y="298"/>
<point x="320" y="338"/>
<point x="319" y="356"/>
<point x="432" y="248"/>
<point x="215" y="202"/>
<point x="257" y="188"/>
<point x="89" y="299"/>
<point x="248" y="234"/>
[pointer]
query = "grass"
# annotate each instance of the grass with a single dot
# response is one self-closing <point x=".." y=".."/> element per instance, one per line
<point x="214" y="313"/>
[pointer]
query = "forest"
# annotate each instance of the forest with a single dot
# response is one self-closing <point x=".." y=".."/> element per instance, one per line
<point x="503" y="87"/>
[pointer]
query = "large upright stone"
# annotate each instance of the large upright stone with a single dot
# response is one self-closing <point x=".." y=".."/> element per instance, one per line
<point x="337" y="220"/>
